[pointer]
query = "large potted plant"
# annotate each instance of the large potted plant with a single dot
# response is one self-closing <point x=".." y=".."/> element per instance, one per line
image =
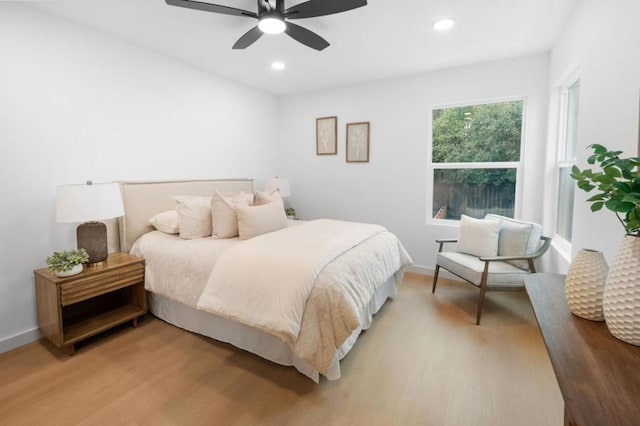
<point x="617" y="185"/>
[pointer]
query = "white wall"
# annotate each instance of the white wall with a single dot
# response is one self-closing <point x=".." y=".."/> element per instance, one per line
<point x="392" y="188"/>
<point x="75" y="105"/>
<point x="602" y="41"/>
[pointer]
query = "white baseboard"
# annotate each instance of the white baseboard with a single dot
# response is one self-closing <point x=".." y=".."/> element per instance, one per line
<point x="19" y="340"/>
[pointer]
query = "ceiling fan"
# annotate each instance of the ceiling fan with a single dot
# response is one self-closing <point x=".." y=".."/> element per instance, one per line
<point x="275" y="20"/>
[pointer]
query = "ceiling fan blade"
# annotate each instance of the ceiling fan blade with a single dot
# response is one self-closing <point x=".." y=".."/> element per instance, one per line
<point x="208" y="7"/>
<point x="248" y="38"/>
<point x="312" y="8"/>
<point x="306" y="37"/>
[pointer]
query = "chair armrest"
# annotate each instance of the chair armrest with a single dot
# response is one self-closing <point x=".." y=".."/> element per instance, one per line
<point x="529" y="258"/>
<point x="445" y="240"/>
<point x="537" y="254"/>
<point x="505" y="258"/>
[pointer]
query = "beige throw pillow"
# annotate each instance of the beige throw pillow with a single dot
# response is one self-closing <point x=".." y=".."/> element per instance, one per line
<point x="267" y="197"/>
<point x="166" y="222"/>
<point x="223" y="213"/>
<point x="478" y="237"/>
<point x="194" y="216"/>
<point x="258" y="220"/>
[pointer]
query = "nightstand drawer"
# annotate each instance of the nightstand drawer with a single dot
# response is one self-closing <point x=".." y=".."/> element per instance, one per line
<point x="95" y="285"/>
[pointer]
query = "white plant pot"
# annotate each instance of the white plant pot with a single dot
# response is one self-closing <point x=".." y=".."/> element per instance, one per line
<point x="621" y="301"/>
<point x="585" y="285"/>
<point x="71" y="272"/>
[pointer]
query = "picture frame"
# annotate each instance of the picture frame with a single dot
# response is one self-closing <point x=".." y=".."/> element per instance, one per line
<point x="357" y="150"/>
<point x="327" y="135"/>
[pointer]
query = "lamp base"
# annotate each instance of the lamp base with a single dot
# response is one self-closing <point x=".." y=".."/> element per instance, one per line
<point x="92" y="236"/>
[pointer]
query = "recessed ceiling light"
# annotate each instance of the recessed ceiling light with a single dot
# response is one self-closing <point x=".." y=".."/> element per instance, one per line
<point x="278" y="66"/>
<point x="443" y="24"/>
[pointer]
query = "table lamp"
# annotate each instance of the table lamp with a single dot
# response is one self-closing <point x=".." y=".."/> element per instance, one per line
<point x="90" y="203"/>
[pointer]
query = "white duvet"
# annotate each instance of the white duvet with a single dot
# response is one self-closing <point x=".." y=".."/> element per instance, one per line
<point x="305" y="284"/>
<point x="265" y="281"/>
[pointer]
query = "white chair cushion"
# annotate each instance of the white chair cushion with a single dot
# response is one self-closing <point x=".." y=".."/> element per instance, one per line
<point x="471" y="269"/>
<point x="478" y="237"/>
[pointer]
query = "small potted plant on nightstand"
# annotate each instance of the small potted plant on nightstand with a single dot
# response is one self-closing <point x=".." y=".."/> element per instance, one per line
<point x="67" y="263"/>
<point x="290" y="212"/>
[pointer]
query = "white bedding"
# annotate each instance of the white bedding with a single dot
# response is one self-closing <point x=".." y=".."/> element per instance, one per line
<point x="179" y="270"/>
<point x="265" y="281"/>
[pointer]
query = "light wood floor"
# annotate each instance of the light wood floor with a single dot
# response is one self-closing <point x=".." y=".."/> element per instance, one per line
<point x="423" y="362"/>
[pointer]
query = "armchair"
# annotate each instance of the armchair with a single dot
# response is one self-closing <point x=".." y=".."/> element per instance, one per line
<point x="519" y="244"/>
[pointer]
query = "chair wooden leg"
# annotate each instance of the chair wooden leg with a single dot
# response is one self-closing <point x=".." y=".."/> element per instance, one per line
<point x="483" y="290"/>
<point x="435" y="279"/>
<point x="480" y="304"/>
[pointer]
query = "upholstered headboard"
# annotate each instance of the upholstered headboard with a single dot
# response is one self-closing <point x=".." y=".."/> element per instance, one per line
<point x="144" y="199"/>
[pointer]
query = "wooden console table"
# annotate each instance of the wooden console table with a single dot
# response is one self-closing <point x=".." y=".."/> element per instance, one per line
<point x="599" y="375"/>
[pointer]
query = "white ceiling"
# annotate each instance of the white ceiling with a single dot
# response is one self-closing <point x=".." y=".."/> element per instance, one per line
<point x="383" y="39"/>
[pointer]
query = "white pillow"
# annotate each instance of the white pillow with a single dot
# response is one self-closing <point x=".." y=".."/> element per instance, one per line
<point x="478" y="237"/>
<point x="258" y="220"/>
<point x="194" y="216"/>
<point x="166" y="222"/>
<point x="223" y="213"/>
<point x="267" y="197"/>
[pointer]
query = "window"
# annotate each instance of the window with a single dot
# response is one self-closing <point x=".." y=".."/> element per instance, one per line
<point x="475" y="159"/>
<point x="570" y="98"/>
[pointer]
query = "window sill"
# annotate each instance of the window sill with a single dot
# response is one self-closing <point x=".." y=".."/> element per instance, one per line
<point x="562" y="247"/>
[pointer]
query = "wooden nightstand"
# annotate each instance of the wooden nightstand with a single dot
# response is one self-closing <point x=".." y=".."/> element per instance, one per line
<point x="100" y="297"/>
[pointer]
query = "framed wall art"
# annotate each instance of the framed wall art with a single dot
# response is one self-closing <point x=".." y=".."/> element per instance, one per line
<point x="326" y="136"/>
<point x="358" y="142"/>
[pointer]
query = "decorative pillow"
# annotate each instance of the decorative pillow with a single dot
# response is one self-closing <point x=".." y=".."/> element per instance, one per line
<point x="478" y="237"/>
<point x="258" y="220"/>
<point x="223" y="213"/>
<point x="166" y="222"/>
<point x="194" y="216"/>
<point x="517" y="238"/>
<point x="267" y="197"/>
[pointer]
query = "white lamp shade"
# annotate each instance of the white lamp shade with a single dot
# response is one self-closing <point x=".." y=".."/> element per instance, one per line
<point x="90" y="202"/>
<point x="280" y="184"/>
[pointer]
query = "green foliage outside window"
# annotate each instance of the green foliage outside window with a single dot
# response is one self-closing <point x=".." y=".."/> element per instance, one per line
<point x="485" y="133"/>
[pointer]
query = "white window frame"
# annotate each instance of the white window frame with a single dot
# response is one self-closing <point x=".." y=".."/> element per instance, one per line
<point x="517" y="165"/>
<point x="562" y="244"/>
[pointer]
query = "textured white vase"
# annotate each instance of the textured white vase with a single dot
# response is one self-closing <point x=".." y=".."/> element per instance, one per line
<point x="585" y="284"/>
<point x="621" y="301"/>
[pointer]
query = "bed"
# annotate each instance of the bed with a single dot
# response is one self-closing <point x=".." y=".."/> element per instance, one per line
<point x="192" y="283"/>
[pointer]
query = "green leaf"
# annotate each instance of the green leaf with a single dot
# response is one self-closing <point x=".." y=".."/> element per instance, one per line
<point x="622" y="187"/>
<point x="585" y="185"/>
<point x="606" y="179"/>
<point x="612" y="171"/>
<point x="617" y="205"/>
<point x="598" y="149"/>
<point x="597" y="206"/>
<point x="598" y="197"/>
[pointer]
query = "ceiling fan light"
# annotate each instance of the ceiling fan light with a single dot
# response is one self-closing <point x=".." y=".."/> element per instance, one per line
<point x="271" y="25"/>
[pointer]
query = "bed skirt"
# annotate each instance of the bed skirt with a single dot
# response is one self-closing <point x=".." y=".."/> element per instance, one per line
<point x="255" y="341"/>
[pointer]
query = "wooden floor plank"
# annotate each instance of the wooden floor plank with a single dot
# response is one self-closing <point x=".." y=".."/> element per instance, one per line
<point x="423" y="362"/>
